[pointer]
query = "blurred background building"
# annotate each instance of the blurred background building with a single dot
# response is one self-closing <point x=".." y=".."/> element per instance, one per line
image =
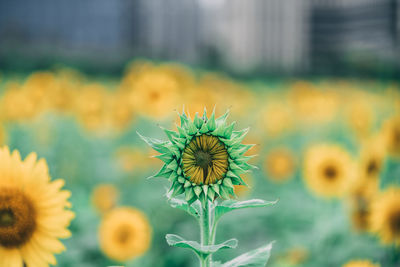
<point x="299" y="37"/>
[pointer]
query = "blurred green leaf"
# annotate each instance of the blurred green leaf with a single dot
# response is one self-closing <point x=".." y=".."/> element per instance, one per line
<point x="193" y="209"/>
<point x="177" y="241"/>
<point x="230" y="205"/>
<point x="255" y="258"/>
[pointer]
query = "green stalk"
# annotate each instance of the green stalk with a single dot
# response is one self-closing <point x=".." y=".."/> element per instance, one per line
<point x="207" y="232"/>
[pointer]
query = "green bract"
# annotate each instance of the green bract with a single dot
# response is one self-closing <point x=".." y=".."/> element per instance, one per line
<point x="216" y="182"/>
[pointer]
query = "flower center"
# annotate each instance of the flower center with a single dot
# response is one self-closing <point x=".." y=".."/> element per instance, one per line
<point x="6" y="218"/>
<point x="123" y="234"/>
<point x="17" y="218"/>
<point x="205" y="160"/>
<point x="330" y="172"/>
<point x="395" y="223"/>
<point x="372" y="167"/>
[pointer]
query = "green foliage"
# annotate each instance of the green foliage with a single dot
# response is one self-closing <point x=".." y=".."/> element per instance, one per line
<point x="230" y="205"/>
<point x="201" y="250"/>
<point x="255" y="258"/>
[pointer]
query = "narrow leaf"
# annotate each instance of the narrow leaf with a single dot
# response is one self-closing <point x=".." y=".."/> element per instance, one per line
<point x="230" y="205"/>
<point x="183" y="205"/>
<point x="255" y="258"/>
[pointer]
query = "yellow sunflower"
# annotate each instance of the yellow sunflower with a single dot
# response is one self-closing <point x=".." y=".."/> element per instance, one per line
<point x="385" y="216"/>
<point x="154" y="92"/>
<point x="370" y="164"/>
<point x="16" y="104"/>
<point x="90" y="105"/>
<point x="280" y="164"/>
<point x="312" y="105"/>
<point x="360" y="263"/>
<point x="104" y="197"/>
<point x="33" y="214"/>
<point x="276" y="118"/>
<point x="328" y="170"/>
<point x="121" y="112"/>
<point x="124" y="234"/>
<point x="391" y="134"/>
<point x="205" y="159"/>
<point x="135" y="159"/>
<point x="360" y="115"/>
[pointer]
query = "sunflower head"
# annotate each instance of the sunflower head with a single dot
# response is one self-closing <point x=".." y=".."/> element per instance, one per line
<point x="204" y="159"/>
<point x="385" y="216"/>
<point x="328" y="170"/>
<point x="34" y="211"/>
<point x="360" y="263"/>
<point x="124" y="234"/>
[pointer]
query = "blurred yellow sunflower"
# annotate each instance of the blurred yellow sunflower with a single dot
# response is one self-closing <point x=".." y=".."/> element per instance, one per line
<point x="124" y="233"/>
<point x="370" y="164"/>
<point x="137" y="159"/>
<point x="360" y="263"/>
<point x="276" y="118"/>
<point x="104" y="197"/>
<point x="90" y="105"/>
<point x="63" y="94"/>
<point x="328" y="170"/>
<point x="121" y="110"/>
<point x="391" y="134"/>
<point x="312" y="105"/>
<point x="385" y="216"/>
<point x="359" y="115"/>
<point x="33" y="212"/>
<point x="38" y="87"/>
<point x="280" y="164"/>
<point x="154" y="93"/>
<point x="16" y="105"/>
<point x="295" y="256"/>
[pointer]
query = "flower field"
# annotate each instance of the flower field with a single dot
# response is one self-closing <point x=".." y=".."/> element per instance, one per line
<point x="327" y="149"/>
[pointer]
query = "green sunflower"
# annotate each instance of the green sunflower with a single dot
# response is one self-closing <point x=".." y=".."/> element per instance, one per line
<point x="204" y="159"/>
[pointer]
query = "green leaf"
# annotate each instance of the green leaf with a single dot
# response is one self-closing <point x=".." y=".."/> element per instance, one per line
<point x="158" y="145"/>
<point x="198" y="121"/>
<point x="163" y="172"/>
<point x="255" y="258"/>
<point x="177" y="241"/>
<point x="230" y="205"/>
<point x="222" y="119"/>
<point x="211" y="125"/>
<point x="183" y="205"/>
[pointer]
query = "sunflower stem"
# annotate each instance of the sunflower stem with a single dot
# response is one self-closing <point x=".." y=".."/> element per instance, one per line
<point x="207" y="231"/>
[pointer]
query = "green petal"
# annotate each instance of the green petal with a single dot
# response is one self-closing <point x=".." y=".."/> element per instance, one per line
<point x="170" y="134"/>
<point x="227" y="182"/>
<point x="158" y="145"/>
<point x="205" y="188"/>
<point x="191" y="128"/>
<point x="163" y="172"/>
<point x="197" y="190"/>
<point x="228" y="130"/>
<point x="198" y="122"/>
<point x="211" y="125"/>
<point x="204" y="128"/>
<point x="222" y="119"/>
<point x="215" y="187"/>
<point x="173" y="165"/>
<point x="211" y="193"/>
<point x="189" y="194"/>
<point x="166" y="157"/>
